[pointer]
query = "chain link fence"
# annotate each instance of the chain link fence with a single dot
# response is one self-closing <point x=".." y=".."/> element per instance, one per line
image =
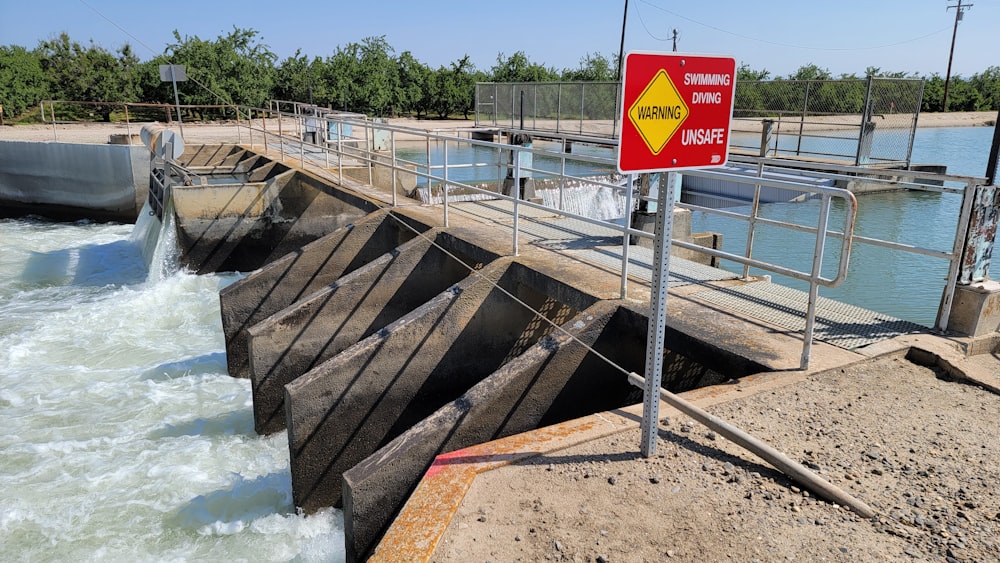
<point x="869" y="122"/>
<point x="568" y="108"/>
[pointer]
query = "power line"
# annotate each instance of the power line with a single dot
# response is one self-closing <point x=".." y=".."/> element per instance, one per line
<point x="791" y="45"/>
<point x="225" y="99"/>
<point x="959" y="12"/>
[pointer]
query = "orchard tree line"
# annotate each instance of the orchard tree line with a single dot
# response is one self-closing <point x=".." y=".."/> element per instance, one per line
<point x="367" y="77"/>
<point x="238" y="68"/>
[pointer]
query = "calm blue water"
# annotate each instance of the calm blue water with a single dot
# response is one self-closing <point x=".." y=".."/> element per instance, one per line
<point x="903" y="285"/>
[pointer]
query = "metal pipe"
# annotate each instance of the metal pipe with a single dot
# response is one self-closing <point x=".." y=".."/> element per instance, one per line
<point x="768" y="453"/>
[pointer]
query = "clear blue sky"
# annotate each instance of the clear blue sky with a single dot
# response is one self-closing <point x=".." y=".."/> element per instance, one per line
<point x="777" y="35"/>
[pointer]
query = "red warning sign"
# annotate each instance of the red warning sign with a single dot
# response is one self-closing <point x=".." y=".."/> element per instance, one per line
<point x="676" y="111"/>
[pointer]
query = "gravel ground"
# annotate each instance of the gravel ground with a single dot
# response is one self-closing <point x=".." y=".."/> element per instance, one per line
<point x="918" y="448"/>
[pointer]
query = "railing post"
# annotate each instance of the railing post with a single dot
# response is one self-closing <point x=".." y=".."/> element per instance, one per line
<point x="392" y="148"/>
<point x="817" y="270"/>
<point x="340" y="151"/>
<point x="128" y="126"/>
<point x="444" y="190"/>
<point x="752" y="222"/>
<point x="263" y="120"/>
<point x="515" y="151"/>
<point x="368" y="149"/>
<point x="626" y="237"/>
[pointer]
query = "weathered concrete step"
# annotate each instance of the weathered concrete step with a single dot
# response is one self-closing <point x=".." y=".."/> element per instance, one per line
<point x="321" y="325"/>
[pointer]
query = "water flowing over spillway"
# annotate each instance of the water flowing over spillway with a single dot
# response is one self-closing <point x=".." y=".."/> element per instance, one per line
<point x="124" y="439"/>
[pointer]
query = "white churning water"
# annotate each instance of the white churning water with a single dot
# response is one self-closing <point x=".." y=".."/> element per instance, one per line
<point x="124" y="439"/>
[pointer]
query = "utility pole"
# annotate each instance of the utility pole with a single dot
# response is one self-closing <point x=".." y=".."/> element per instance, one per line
<point x="621" y="48"/>
<point x="959" y="11"/>
<point x="675" y="40"/>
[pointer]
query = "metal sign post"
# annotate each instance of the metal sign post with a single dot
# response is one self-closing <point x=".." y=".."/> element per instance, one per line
<point x="677" y="111"/>
<point x="175" y="74"/>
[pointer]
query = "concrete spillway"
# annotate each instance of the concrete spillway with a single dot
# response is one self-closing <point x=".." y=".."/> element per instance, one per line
<point x="379" y="339"/>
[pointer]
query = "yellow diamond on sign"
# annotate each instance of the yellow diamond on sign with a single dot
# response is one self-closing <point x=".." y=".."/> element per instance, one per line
<point x="658" y="112"/>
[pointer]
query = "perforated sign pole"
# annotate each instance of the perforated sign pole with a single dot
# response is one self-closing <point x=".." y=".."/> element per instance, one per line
<point x="676" y="115"/>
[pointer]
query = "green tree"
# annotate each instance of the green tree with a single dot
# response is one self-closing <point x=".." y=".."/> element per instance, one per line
<point x="90" y="74"/>
<point x="518" y="68"/>
<point x="987" y="84"/>
<point x="594" y="68"/>
<point x="810" y="72"/>
<point x="22" y="80"/>
<point x="234" y="69"/>
<point x="378" y="77"/>
<point x="452" y="90"/>
<point x="298" y="79"/>
<point x="750" y="74"/>
<point x="414" y="79"/>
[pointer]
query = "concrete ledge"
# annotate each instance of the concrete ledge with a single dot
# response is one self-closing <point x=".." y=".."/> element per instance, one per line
<point x="975" y="310"/>
<point x="300" y="273"/>
<point x="320" y="326"/>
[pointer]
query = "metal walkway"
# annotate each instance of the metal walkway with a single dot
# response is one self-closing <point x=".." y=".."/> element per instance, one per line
<point x="839" y="324"/>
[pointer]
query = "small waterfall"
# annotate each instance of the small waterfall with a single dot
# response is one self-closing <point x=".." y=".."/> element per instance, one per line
<point x="165" y="260"/>
<point x="146" y="232"/>
<point x="157" y="240"/>
<point x="586" y="198"/>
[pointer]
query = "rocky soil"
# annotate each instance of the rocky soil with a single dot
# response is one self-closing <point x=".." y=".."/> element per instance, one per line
<point x="921" y="450"/>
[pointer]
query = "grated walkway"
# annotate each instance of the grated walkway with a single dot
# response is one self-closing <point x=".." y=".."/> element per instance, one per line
<point x="840" y="324"/>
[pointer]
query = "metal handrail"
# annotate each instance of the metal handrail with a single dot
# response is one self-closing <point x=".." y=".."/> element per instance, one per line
<point x="439" y="173"/>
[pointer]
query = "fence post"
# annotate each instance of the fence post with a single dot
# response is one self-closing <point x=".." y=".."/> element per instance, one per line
<point x="802" y="118"/>
<point x="867" y="128"/>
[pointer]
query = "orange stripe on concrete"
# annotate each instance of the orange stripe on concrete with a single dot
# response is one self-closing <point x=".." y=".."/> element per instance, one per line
<point x="416" y="531"/>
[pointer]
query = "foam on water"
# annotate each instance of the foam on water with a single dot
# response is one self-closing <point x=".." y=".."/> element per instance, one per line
<point x="124" y="438"/>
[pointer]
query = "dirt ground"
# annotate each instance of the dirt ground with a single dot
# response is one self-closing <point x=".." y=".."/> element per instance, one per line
<point x="920" y="449"/>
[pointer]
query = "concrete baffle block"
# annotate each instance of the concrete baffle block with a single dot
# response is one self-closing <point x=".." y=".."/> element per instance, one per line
<point x="242" y="226"/>
<point x="320" y="326"/>
<point x="302" y="272"/>
<point x="558" y="379"/>
<point x="345" y="409"/>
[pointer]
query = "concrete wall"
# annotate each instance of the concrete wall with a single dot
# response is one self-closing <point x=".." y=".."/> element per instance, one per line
<point x="345" y="409"/>
<point x="302" y="272"/>
<point x="67" y="181"/>
<point x="241" y="227"/>
<point x="320" y="326"/>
